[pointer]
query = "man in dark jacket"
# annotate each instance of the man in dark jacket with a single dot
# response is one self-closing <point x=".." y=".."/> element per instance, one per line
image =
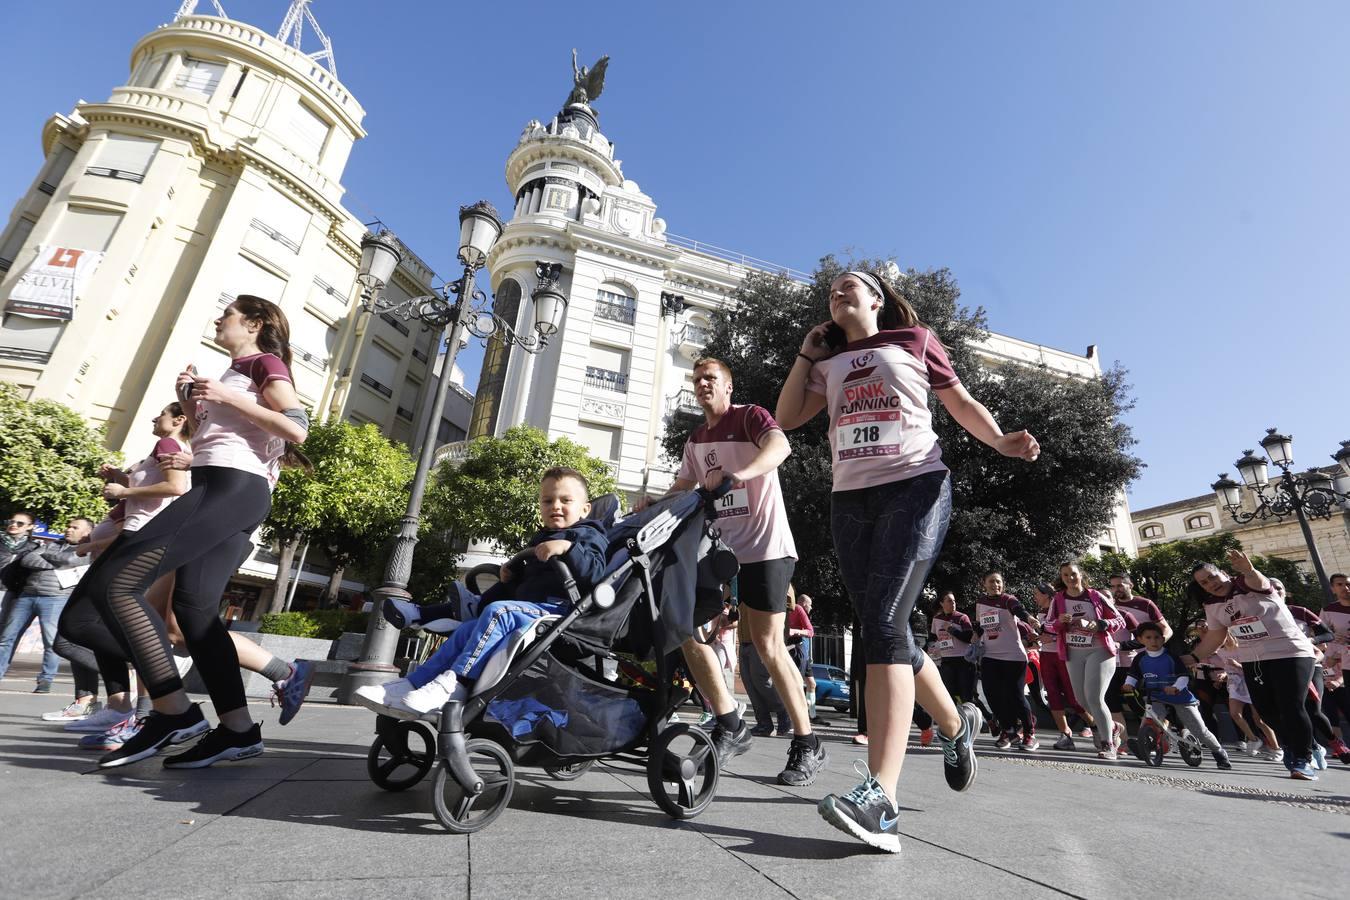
<point x="50" y="572"/>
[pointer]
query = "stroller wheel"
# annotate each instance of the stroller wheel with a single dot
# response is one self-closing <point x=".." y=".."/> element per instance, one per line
<point x="1191" y="751"/>
<point x="569" y="773"/>
<point x="462" y="812"/>
<point x="394" y="762"/>
<point x="682" y="771"/>
<point x="1152" y="749"/>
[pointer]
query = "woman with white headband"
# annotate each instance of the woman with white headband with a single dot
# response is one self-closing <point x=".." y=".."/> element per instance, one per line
<point x="873" y="367"/>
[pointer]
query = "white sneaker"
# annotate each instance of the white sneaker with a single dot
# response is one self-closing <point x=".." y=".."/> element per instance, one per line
<point x="387" y="698"/>
<point x="431" y="696"/>
<point x="103" y="720"/>
<point x="1273" y="755"/>
<point x="1251" y="748"/>
<point x="74" y="712"/>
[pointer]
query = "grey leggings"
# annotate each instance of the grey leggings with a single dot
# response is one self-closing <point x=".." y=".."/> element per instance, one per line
<point x="1190" y="718"/>
<point x="1090" y="674"/>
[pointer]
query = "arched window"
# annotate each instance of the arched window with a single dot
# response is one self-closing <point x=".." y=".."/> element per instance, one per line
<point x="1151" y="532"/>
<point x="1198" y="521"/>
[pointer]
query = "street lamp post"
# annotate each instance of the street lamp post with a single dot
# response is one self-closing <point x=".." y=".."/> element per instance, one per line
<point x="1311" y="495"/>
<point x="458" y="309"/>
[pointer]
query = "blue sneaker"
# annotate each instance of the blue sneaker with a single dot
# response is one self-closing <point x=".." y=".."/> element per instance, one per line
<point x="401" y="613"/>
<point x="1319" y="757"/>
<point x="113" y="738"/>
<point x="291" y="693"/>
<point x="1302" y="770"/>
<point x="864" y="812"/>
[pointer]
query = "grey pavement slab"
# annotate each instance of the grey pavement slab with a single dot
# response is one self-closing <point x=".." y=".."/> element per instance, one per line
<point x="303" y="820"/>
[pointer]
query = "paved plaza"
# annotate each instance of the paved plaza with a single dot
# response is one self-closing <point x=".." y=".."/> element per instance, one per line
<point x="303" y="820"/>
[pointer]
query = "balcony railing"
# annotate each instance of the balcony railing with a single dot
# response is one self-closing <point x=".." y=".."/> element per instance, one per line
<point x="625" y="312"/>
<point x="316" y="360"/>
<point x="271" y="232"/>
<point x="395" y="324"/>
<point x="683" y="403"/>
<point x="606" y="379"/>
<point x="376" y="386"/>
<point x="694" y="335"/>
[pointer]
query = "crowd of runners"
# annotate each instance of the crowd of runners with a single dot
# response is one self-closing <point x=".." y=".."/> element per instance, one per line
<point x="151" y="578"/>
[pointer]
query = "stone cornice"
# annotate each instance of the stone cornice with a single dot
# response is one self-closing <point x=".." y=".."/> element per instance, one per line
<point x="554" y="147"/>
<point x="660" y="256"/>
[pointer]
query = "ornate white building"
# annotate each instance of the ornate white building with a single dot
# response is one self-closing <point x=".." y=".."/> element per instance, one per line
<point x="640" y="301"/>
<point x="214" y="171"/>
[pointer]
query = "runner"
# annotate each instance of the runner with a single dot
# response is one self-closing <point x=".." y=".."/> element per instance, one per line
<point x="1276" y="658"/>
<point x="1054" y="671"/>
<point x="1137" y="611"/>
<point x="244" y="424"/>
<point x="1088" y="623"/>
<point x="1003" y="670"/>
<point x="954" y="632"/>
<point x="740" y="447"/>
<point x="874" y="367"/>
<point x="1336" y="616"/>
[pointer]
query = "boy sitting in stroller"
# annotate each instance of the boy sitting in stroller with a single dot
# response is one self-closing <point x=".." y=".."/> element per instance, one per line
<point x="529" y="589"/>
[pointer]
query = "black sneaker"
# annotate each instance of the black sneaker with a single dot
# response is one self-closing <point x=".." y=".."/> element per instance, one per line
<point x="804" y="763"/>
<point x="158" y="730"/>
<point x="958" y="753"/>
<point x="864" y="812"/>
<point x="1221" y="759"/>
<point x="220" y="744"/>
<point x="731" y="744"/>
<point x="762" y="731"/>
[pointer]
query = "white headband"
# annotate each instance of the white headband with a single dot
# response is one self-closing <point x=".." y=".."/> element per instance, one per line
<point x="870" y="280"/>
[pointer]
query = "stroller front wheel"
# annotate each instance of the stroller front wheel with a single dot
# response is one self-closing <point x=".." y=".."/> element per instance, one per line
<point x="462" y="812"/>
<point x="393" y="762"/>
<point x="682" y="771"/>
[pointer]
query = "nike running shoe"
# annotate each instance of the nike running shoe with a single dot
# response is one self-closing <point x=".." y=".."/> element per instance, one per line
<point x="804" y="763"/>
<point x="291" y="693"/>
<point x="158" y="730"/>
<point x="958" y="753"/>
<point x="864" y="812"/>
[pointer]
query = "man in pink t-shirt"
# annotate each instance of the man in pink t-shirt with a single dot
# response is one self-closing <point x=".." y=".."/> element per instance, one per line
<point x="744" y="445"/>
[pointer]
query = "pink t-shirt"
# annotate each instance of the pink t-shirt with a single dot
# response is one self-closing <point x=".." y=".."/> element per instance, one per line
<point x="876" y="392"/>
<point x="948" y="644"/>
<point x="1261" y="623"/>
<point x="223" y="437"/>
<point x="1049" y="631"/>
<point x="751" y="516"/>
<point x="1336" y="616"/>
<point x="140" y="510"/>
<point x="1137" y="611"/>
<point x="998" y="617"/>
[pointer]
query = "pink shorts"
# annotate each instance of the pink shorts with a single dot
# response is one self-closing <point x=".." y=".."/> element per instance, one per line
<point x="1055" y="677"/>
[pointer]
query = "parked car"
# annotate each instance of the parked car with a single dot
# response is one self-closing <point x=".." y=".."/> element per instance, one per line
<point x="831" y="686"/>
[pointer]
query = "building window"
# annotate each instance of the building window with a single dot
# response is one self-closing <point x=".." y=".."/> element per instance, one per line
<point x="62" y="157"/>
<point x="376" y="386"/>
<point x="615" y="307"/>
<point x="199" y="76"/>
<point x="449" y="432"/>
<point x="606" y="379"/>
<point x="1198" y="521"/>
<point x="13" y="243"/>
<point x="123" y="157"/>
<point x="604" y="442"/>
<point x="308" y="132"/>
<point x="1151" y="532"/>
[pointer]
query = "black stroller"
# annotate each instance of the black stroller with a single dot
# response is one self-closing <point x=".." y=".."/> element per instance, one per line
<point x="566" y="691"/>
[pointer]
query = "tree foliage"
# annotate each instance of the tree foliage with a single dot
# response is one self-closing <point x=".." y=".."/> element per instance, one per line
<point x="1018" y="517"/>
<point x="492" y="495"/>
<point x="51" y="460"/>
<point x="350" y="503"/>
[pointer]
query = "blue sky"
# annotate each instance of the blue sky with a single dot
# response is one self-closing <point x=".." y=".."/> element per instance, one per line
<point x="1167" y="181"/>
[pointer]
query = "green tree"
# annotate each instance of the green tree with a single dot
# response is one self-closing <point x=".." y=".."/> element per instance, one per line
<point x="51" y="459"/>
<point x="1018" y="517"/>
<point x="492" y="495"/>
<point x="349" y="504"/>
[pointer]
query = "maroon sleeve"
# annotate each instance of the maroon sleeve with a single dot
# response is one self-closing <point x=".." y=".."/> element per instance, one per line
<point x="1155" y="612"/>
<point x="268" y="367"/>
<point x="1303" y="614"/>
<point x="165" y="446"/>
<point x="940" y="372"/>
<point x="759" y="422"/>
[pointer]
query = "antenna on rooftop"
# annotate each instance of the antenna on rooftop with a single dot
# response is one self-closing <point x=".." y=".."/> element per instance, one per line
<point x="187" y="7"/>
<point x="293" y="26"/>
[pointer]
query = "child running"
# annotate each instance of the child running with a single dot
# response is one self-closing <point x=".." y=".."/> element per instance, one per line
<point x="873" y="367"/>
<point x="1164" y="681"/>
<point x="529" y="589"/>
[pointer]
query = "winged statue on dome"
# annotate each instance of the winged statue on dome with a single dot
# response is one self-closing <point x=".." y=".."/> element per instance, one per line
<point x="587" y="83"/>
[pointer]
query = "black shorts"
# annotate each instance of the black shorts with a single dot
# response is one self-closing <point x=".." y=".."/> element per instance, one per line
<point x="1114" y="701"/>
<point x="763" y="586"/>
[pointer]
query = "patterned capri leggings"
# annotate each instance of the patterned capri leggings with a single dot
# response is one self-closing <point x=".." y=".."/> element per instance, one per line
<point x="887" y="538"/>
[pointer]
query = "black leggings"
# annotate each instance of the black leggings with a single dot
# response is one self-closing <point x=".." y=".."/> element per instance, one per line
<point x="959" y="677"/>
<point x="1321" y="725"/>
<point x="85" y="669"/>
<point x="200" y="537"/>
<point x="1004" y="681"/>
<point x="1279" y="689"/>
<point x="1338" y="701"/>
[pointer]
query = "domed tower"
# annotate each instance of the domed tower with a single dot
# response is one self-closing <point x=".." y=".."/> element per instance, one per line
<point x="215" y="170"/>
<point x="573" y="206"/>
